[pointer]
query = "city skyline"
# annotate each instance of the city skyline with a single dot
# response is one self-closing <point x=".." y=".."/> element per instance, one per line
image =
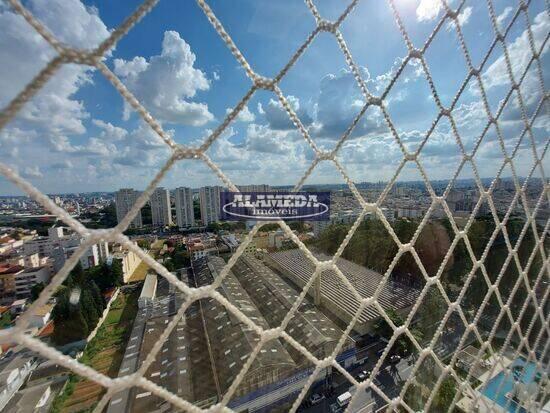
<point x="196" y="189"/>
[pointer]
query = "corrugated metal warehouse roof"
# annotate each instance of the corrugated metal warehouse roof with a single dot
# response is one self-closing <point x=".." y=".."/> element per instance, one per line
<point x="336" y="295"/>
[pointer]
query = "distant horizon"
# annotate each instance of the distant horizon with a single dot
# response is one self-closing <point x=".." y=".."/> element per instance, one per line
<point x="533" y="178"/>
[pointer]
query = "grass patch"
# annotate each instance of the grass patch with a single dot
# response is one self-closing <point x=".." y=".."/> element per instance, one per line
<point x="104" y="353"/>
<point x="157" y="245"/>
<point x="140" y="272"/>
<point x="142" y="269"/>
<point x="6" y="320"/>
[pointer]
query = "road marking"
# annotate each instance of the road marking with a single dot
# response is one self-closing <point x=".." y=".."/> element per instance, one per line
<point x="364" y="407"/>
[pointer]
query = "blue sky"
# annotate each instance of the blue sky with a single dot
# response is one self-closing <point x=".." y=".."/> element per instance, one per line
<point x="78" y="135"/>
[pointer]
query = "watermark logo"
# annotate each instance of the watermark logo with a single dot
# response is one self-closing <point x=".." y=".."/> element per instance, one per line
<point x="268" y="206"/>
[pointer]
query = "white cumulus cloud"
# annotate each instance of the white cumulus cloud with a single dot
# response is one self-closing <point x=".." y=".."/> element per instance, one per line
<point x="31" y="172"/>
<point x="54" y="112"/>
<point x="428" y="10"/>
<point x="165" y="83"/>
<point x="245" y="115"/>
<point x="501" y="18"/>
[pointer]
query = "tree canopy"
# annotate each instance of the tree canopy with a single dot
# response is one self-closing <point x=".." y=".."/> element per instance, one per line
<point x="79" y="301"/>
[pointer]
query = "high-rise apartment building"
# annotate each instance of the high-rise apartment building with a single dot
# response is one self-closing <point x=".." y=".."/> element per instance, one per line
<point x="255" y="188"/>
<point x="125" y="198"/>
<point x="209" y="197"/>
<point x="185" y="215"/>
<point x="161" y="212"/>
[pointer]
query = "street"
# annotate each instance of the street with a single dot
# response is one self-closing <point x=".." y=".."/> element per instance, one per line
<point x="389" y="379"/>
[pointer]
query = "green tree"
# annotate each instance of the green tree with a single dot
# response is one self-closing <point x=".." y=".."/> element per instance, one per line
<point x="76" y="276"/>
<point x="36" y="289"/>
<point x="95" y="293"/>
<point x="80" y="303"/>
<point x="117" y="273"/>
<point x="69" y="321"/>
<point x="298" y="226"/>
<point x="213" y="227"/>
<point x="403" y="345"/>
<point x="74" y="328"/>
<point x="431" y="312"/>
<point x="269" y="227"/>
<point x="89" y="308"/>
<point x="145" y="244"/>
<point x="180" y="258"/>
<point x="169" y="264"/>
<point x="445" y="395"/>
<point x="107" y="276"/>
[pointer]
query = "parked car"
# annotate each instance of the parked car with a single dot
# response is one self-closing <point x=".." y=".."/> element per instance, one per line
<point x="395" y="358"/>
<point x="316" y="398"/>
<point x="334" y="408"/>
<point x="363" y="375"/>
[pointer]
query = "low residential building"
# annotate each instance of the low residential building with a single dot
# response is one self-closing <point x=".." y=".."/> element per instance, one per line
<point x="409" y="212"/>
<point x="319" y="227"/>
<point x="103" y="251"/>
<point x="231" y="241"/>
<point x="200" y="250"/>
<point x="8" y="273"/>
<point x="30" y="260"/>
<point x="41" y="316"/>
<point x="35" y="399"/>
<point x="8" y="244"/>
<point x="60" y="244"/>
<point x="129" y="259"/>
<point x="36" y="395"/>
<point x="259" y="242"/>
<point x="18" y="306"/>
<point x="201" y="246"/>
<point x="388" y="213"/>
<point x="276" y="239"/>
<point x="29" y="277"/>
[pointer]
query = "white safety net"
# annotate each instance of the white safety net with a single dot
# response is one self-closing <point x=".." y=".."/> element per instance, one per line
<point x="527" y="338"/>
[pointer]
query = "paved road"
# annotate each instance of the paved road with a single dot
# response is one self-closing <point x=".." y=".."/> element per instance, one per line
<point x="389" y="379"/>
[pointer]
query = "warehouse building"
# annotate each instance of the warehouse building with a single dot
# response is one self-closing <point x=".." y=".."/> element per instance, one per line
<point x="209" y="346"/>
<point x="308" y="326"/>
<point x="335" y="296"/>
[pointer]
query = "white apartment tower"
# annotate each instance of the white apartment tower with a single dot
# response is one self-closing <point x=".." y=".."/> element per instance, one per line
<point x="185" y="215"/>
<point x="125" y="198"/>
<point x="161" y="212"/>
<point x="209" y="197"/>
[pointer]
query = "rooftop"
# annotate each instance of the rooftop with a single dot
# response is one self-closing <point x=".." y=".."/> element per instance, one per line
<point x="275" y="298"/>
<point x="6" y="269"/>
<point x="335" y="292"/>
<point x="43" y="310"/>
